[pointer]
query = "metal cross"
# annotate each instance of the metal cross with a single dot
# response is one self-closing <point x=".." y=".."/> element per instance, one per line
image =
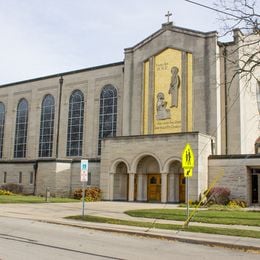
<point x="168" y="16"/>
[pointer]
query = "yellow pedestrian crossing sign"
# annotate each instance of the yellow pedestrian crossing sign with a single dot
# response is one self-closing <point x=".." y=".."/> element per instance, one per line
<point x="187" y="160"/>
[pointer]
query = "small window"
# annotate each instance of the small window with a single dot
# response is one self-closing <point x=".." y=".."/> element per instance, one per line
<point x="5" y="177"/>
<point x="89" y="178"/>
<point x="20" y="177"/>
<point x="31" y="177"/>
<point x="153" y="180"/>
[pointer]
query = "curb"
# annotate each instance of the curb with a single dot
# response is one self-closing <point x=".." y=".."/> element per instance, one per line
<point x="159" y="236"/>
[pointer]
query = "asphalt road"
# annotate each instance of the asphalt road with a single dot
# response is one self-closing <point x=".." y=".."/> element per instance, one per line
<point x="26" y="239"/>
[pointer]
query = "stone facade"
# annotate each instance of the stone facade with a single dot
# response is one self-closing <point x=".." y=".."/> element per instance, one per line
<point x="141" y="159"/>
<point x="235" y="172"/>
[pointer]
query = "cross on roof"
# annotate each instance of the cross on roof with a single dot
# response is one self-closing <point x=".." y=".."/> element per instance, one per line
<point x="168" y="16"/>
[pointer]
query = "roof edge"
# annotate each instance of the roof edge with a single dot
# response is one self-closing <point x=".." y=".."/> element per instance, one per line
<point x="171" y="27"/>
<point x="63" y="74"/>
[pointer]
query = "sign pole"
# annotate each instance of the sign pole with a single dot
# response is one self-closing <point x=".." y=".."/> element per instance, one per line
<point x="83" y="198"/>
<point x="188" y="213"/>
<point x="187" y="165"/>
<point x="83" y="179"/>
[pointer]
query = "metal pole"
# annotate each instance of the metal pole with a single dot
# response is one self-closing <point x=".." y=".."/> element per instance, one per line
<point x="83" y="198"/>
<point x="187" y="180"/>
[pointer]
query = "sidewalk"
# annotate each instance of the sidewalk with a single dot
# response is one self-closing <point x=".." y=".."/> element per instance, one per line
<point x="55" y="213"/>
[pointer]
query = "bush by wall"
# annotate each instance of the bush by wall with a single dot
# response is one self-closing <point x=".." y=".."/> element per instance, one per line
<point x="218" y="195"/>
<point x="15" y="188"/>
<point x="237" y="204"/>
<point x="5" y="192"/>
<point x="91" y="194"/>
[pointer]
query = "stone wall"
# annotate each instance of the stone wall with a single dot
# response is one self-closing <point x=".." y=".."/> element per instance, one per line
<point x="16" y="171"/>
<point x="89" y="81"/>
<point x="164" y="148"/>
<point x="235" y="173"/>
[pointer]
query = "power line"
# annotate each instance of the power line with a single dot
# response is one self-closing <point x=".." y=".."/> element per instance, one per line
<point x="214" y="9"/>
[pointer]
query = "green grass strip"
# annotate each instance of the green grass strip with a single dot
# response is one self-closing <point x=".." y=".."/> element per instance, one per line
<point x="32" y="199"/>
<point x="208" y="230"/>
<point x="238" y="217"/>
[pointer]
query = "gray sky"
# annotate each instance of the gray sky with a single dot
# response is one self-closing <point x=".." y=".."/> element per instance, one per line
<point x="43" y="37"/>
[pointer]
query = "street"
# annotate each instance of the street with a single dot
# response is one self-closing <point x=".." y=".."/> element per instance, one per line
<point x="28" y="239"/>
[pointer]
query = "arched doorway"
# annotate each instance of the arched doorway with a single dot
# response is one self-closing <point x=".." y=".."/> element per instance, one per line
<point x="121" y="182"/>
<point x="148" y="180"/>
<point x="176" y="183"/>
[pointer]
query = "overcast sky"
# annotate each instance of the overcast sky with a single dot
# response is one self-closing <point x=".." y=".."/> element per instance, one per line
<point x="44" y="37"/>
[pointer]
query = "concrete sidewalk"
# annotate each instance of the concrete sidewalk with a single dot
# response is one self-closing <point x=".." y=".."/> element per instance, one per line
<point x="55" y="213"/>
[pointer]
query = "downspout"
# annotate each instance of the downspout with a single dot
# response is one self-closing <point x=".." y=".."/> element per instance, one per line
<point x="226" y="105"/>
<point x="35" y="167"/>
<point x="58" y="119"/>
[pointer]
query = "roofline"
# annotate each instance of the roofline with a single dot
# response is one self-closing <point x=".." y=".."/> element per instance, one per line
<point x="169" y="26"/>
<point x="234" y="156"/>
<point x="64" y="74"/>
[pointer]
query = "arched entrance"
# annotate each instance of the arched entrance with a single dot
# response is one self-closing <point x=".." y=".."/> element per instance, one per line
<point x="121" y="182"/>
<point x="176" y="183"/>
<point x="148" y="180"/>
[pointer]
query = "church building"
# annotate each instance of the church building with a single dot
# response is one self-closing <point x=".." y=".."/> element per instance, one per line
<point x="132" y="119"/>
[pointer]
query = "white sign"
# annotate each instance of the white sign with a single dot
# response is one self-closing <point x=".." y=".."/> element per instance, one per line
<point x="84" y="171"/>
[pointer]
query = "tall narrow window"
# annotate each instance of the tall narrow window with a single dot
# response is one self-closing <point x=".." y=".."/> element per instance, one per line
<point x="2" y="125"/>
<point x="21" y="129"/>
<point x="5" y="177"/>
<point x="31" y="177"/>
<point x="75" y="124"/>
<point x="107" y="114"/>
<point x="46" y="128"/>
<point x="20" y="177"/>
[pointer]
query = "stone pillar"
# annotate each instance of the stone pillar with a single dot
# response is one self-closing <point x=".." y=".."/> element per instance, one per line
<point x="139" y="187"/>
<point x="164" y="188"/>
<point x="131" y="187"/>
<point x="111" y="186"/>
<point x="171" y="187"/>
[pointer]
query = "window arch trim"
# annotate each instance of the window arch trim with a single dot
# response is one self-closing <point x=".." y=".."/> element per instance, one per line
<point x="107" y="113"/>
<point x="75" y="124"/>
<point x="47" y="126"/>
<point x="21" y="128"/>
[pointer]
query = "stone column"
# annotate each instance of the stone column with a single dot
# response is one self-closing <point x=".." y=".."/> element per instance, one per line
<point x="111" y="186"/>
<point x="131" y="187"/>
<point x="171" y="187"/>
<point x="164" y="188"/>
<point x="139" y="187"/>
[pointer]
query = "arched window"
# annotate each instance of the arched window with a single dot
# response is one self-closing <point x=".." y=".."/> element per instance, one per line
<point x="46" y="128"/>
<point x="107" y="114"/>
<point x="75" y="124"/>
<point x="2" y="126"/>
<point x="21" y="129"/>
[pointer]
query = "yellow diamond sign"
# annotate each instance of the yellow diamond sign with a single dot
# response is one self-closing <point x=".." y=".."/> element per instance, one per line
<point x="187" y="160"/>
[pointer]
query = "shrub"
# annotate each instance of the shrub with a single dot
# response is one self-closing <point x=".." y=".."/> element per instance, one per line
<point x="5" y="192"/>
<point x="218" y="195"/>
<point x="15" y="188"/>
<point x="91" y="194"/>
<point x="237" y="203"/>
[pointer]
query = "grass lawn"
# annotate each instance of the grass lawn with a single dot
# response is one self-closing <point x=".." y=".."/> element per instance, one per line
<point x="208" y="230"/>
<point x="16" y="198"/>
<point x="230" y="217"/>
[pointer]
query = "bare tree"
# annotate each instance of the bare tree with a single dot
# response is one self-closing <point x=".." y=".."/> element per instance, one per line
<point x="240" y="17"/>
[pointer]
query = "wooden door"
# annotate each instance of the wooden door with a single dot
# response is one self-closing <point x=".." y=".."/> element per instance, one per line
<point x="154" y="188"/>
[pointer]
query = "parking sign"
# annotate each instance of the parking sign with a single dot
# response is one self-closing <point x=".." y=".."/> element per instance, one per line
<point x="84" y="171"/>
